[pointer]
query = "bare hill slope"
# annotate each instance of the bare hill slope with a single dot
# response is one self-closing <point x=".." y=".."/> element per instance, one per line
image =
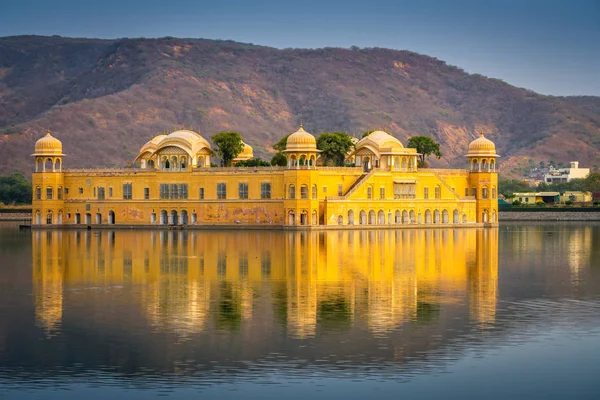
<point x="105" y="98"/>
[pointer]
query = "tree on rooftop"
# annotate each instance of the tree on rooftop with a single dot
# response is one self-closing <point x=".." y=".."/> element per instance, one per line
<point x="279" y="159"/>
<point x="281" y="144"/>
<point x="334" y="146"/>
<point x="229" y="145"/>
<point x="425" y="147"/>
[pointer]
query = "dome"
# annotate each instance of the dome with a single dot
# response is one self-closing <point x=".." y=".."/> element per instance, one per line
<point x="247" y="150"/>
<point x="381" y="139"/>
<point x="301" y="141"/>
<point x="245" y="154"/>
<point x="185" y="140"/>
<point x="482" y="147"/>
<point x="48" y="146"/>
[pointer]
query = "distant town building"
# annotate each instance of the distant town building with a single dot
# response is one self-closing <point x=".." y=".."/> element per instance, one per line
<point x="533" y="197"/>
<point x="566" y="174"/>
<point x="576" y="197"/>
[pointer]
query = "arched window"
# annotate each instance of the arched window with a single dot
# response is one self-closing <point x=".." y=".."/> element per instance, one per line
<point x="49" y="193"/>
<point x="369" y="192"/>
<point x="350" y="217"/>
<point x="59" y="193"/>
<point x="484" y="193"/>
<point x="304" y="192"/>
<point x="445" y="217"/>
<point x="49" y="218"/>
<point x="292" y="192"/>
<point x="314" y="192"/>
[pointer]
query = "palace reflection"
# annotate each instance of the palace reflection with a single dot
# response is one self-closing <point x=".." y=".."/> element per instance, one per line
<point x="309" y="282"/>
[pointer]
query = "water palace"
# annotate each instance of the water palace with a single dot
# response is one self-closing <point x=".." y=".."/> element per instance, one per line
<point x="175" y="185"/>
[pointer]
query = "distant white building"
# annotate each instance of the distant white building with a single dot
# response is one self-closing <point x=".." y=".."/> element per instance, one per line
<point x="566" y="174"/>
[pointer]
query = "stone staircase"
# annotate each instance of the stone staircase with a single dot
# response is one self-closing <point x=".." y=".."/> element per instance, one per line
<point x="437" y="175"/>
<point x="358" y="183"/>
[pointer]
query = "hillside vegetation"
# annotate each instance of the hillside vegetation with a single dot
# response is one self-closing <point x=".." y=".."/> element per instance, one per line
<point x="105" y="98"/>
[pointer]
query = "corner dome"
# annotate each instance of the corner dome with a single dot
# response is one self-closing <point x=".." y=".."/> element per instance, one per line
<point x="482" y="147"/>
<point x="48" y="146"/>
<point x="301" y="141"/>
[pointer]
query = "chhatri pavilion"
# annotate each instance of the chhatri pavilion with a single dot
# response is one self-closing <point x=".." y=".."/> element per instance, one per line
<point x="173" y="184"/>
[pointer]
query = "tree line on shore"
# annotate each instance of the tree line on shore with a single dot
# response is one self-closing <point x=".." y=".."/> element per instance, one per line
<point x="589" y="184"/>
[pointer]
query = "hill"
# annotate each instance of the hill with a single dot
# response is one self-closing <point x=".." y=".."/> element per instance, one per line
<point x="105" y="98"/>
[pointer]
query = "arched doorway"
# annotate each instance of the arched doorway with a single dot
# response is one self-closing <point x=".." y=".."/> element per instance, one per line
<point x="49" y="218"/>
<point x="413" y="220"/>
<point x="366" y="163"/>
<point x="340" y="220"/>
<point x="111" y="217"/>
<point x="314" y="217"/>
<point x="88" y="218"/>
<point x="351" y="217"/>
<point x="494" y="216"/>
<point x="164" y="220"/>
<point x="304" y="217"/>
<point x="445" y="217"/>
<point x="427" y="216"/>
<point x="183" y="218"/>
<point x="173" y="219"/>
<point x="381" y="217"/>
<point x="398" y="218"/>
<point x="455" y="217"/>
<point x="371" y="217"/>
<point x="363" y="217"/>
<point x="98" y="218"/>
<point x="436" y="216"/>
<point x="464" y="218"/>
<point x="77" y="218"/>
<point x="291" y="218"/>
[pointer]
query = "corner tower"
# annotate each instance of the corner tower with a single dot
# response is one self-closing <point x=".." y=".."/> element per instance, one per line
<point x="483" y="178"/>
<point x="48" y="181"/>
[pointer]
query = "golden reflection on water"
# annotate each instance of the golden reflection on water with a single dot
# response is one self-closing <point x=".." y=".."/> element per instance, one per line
<point x="308" y="282"/>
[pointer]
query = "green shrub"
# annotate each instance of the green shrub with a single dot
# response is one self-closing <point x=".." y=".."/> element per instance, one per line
<point x="516" y="203"/>
<point x="540" y="204"/>
<point x="568" y="203"/>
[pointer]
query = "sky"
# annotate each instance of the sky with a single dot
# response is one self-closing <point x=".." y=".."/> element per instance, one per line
<point x="549" y="46"/>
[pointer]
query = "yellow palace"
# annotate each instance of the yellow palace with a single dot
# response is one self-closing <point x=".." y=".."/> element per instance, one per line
<point x="173" y="183"/>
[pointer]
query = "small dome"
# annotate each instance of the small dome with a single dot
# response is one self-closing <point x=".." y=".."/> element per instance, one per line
<point x="246" y="154"/>
<point x="247" y="150"/>
<point x="48" y="145"/>
<point x="482" y="147"/>
<point x="301" y="140"/>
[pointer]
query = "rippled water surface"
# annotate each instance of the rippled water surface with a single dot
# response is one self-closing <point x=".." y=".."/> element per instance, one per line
<point x="512" y="312"/>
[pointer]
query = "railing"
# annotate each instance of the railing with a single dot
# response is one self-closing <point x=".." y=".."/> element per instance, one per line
<point x="405" y="196"/>
<point x="240" y="169"/>
<point x="340" y="169"/>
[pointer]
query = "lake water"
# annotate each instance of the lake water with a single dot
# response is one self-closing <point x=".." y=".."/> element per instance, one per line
<point x="512" y="312"/>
